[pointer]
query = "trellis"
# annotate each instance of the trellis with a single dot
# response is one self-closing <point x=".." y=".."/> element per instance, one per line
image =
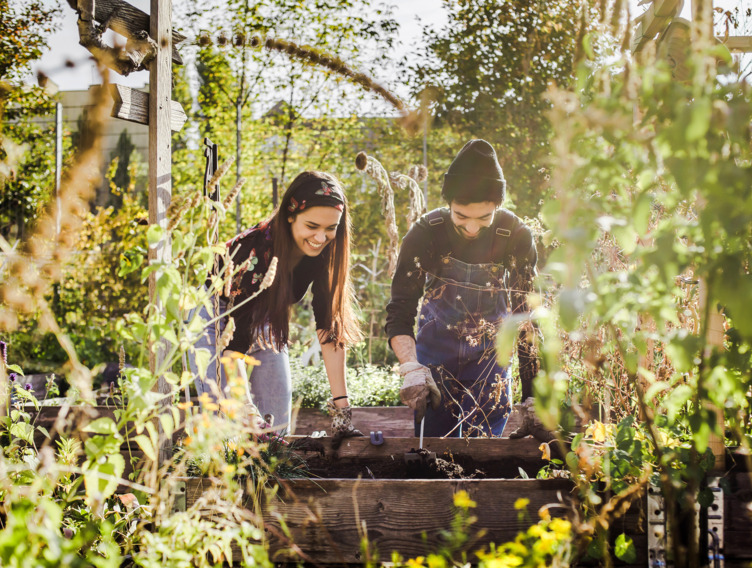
<point x="151" y="44"/>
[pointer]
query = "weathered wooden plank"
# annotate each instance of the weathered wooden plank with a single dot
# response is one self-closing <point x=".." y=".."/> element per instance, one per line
<point x="133" y="105"/>
<point x="392" y="421"/>
<point x="737" y="512"/>
<point x="481" y="449"/>
<point x="128" y="21"/>
<point x="654" y="21"/>
<point x="741" y="44"/>
<point x="324" y="516"/>
<point x="160" y="183"/>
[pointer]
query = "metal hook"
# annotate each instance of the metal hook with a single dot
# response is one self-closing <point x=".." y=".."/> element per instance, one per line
<point x="377" y="438"/>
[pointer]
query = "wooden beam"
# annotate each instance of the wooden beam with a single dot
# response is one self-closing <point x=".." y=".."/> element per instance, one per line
<point x="325" y="517"/>
<point x="133" y="105"/>
<point x="128" y="21"/>
<point x="481" y="449"/>
<point x="654" y="20"/>
<point x="160" y="175"/>
<point x="741" y="44"/>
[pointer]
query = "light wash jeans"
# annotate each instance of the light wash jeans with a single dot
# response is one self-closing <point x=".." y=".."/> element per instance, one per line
<point x="270" y="381"/>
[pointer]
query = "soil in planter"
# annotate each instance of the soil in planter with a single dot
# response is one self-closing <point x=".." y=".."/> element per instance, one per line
<point x="446" y="466"/>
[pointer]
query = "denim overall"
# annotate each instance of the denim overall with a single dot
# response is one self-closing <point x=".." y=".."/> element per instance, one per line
<point x="462" y="309"/>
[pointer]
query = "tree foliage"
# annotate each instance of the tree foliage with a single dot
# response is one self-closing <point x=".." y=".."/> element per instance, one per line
<point x="486" y="71"/>
<point x="26" y="148"/>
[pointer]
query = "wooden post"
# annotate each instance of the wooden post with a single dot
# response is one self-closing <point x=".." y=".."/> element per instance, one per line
<point x="160" y="168"/>
<point x="715" y="335"/>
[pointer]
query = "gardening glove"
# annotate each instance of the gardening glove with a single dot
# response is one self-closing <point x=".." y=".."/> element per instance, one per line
<point x="341" y="423"/>
<point x="531" y="424"/>
<point x="418" y="388"/>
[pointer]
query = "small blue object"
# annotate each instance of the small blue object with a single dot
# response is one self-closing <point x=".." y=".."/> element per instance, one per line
<point x="377" y="438"/>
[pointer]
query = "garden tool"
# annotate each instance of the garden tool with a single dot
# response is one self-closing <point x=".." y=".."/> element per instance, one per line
<point x="420" y="459"/>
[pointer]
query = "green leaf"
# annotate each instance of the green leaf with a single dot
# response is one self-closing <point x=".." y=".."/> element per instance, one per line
<point x="625" y="549"/>
<point x="23" y="430"/>
<point x="202" y="357"/>
<point x="15" y="369"/>
<point x="97" y="487"/>
<point x="146" y="446"/>
<point x="154" y="234"/>
<point x="103" y="425"/>
<point x="699" y="119"/>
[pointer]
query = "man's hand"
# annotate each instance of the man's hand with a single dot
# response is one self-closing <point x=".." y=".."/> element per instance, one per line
<point x="418" y="388"/>
<point x="341" y="424"/>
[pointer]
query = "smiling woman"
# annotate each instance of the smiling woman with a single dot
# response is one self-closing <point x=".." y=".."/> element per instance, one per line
<point x="309" y="235"/>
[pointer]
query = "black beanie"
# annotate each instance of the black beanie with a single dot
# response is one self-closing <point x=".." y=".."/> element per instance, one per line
<point x="475" y="175"/>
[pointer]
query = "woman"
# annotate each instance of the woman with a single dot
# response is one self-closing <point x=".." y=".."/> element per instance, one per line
<point x="309" y="234"/>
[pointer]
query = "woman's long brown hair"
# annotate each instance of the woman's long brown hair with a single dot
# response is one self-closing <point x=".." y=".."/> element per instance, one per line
<point x="273" y="306"/>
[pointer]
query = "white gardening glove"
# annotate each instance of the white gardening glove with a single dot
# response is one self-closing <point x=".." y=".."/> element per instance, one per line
<point x="418" y="388"/>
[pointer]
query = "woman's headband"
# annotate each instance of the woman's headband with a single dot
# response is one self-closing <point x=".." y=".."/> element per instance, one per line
<point x="317" y="193"/>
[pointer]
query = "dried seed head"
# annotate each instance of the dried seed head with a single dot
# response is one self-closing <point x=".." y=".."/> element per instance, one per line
<point x="361" y="161"/>
<point x="227" y="335"/>
<point x="255" y="41"/>
<point x="229" y="268"/>
<point x="221" y="171"/>
<point x="203" y="39"/>
<point x="233" y="193"/>
<point x="418" y="173"/>
<point x="270" y="275"/>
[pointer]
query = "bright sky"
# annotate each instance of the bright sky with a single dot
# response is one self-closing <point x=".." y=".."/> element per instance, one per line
<point x="64" y="44"/>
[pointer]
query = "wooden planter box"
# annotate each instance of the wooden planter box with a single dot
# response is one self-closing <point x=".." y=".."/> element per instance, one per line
<point x="326" y="517"/>
<point x="392" y="421"/>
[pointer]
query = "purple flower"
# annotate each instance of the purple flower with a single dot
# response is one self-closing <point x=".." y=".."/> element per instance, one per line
<point x="28" y="386"/>
<point x="12" y="377"/>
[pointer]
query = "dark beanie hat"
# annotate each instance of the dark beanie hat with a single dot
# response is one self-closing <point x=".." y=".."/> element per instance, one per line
<point x="475" y="175"/>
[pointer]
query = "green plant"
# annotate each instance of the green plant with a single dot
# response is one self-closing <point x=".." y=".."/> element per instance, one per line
<point x="367" y="385"/>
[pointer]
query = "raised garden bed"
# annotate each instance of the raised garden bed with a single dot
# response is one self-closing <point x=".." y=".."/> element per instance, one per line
<point x="326" y="516"/>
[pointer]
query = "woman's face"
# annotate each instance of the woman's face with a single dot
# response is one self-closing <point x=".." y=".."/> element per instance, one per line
<point x="312" y="229"/>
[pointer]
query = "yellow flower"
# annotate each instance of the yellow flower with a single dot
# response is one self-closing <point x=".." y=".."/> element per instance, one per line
<point x="546" y="449"/>
<point x="561" y="527"/>
<point x="503" y="562"/>
<point x="462" y="500"/>
<point x="544" y="514"/>
<point x="521" y="503"/>
<point x="436" y="561"/>
<point x="414" y="562"/>
<point x="597" y="430"/>
<point x="185" y="405"/>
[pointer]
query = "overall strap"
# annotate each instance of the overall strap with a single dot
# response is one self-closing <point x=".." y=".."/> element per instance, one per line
<point x="503" y="229"/>
<point x="439" y="229"/>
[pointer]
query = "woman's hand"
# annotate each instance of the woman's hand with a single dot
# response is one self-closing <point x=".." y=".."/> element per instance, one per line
<point x="341" y="424"/>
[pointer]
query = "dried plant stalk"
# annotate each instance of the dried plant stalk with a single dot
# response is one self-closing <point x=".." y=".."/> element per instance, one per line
<point x="373" y="168"/>
<point x="417" y="204"/>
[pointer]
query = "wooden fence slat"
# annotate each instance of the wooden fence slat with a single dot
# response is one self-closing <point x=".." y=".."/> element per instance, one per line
<point x="133" y="105"/>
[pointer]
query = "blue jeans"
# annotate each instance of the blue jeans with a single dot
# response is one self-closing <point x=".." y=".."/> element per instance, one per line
<point x="270" y="381"/>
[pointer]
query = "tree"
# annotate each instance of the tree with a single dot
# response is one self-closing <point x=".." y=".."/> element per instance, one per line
<point x="26" y="147"/>
<point x="262" y="98"/>
<point x="487" y="70"/>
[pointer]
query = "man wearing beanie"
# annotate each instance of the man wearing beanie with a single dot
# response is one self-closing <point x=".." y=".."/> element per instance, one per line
<point x="473" y="263"/>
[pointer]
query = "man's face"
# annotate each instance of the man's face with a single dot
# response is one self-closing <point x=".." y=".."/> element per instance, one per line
<point x="469" y="220"/>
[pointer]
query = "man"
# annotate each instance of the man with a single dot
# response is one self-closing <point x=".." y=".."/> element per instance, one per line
<point x="473" y="263"/>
